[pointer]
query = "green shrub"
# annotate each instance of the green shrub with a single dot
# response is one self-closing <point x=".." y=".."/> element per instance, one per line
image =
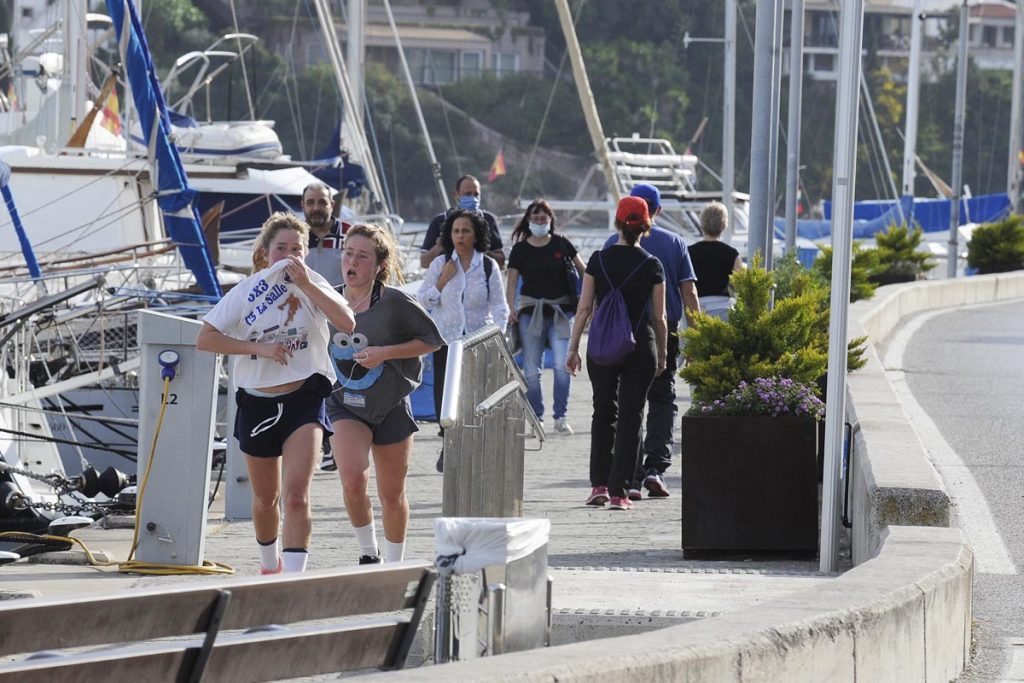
<point x="898" y="257"/>
<point x="997" y="247"/>
<point x="862" y="267"/>
<point x="755" y="342"/>
<point x="792" y="279"/>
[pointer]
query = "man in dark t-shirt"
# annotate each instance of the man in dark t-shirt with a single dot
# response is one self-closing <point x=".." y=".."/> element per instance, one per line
<point x="467" y="196"/>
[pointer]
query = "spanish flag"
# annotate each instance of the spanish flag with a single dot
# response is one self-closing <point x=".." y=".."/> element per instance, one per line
<point x="111" y="114"/>
<point x="1020" y="157"/>
<point x="12" y="96"/>
<point x="498" y="167"/>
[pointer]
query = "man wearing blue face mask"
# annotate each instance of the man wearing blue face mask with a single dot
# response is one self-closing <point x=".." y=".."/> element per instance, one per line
<point x="467" y="196"/>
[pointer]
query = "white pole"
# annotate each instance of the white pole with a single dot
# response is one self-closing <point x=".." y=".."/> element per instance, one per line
<point x="773" y="140"/>
<point x="796" y="80"/>
<point x="356" y="49"/>
<point x="729" y="118"/>
<point x="958" y="143"/>
<point x="913" y="96"/>
<point x="1015" y="170"/>
<point x="760" y="208"/>
<point x="844" y="175"/>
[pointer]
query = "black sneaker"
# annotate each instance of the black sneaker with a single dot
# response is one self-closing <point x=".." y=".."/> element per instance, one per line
<point x="369" y="559"/>
<point x="327" y="464"/>
<point x="655" y="485"/>
<point x="439" y="465"/>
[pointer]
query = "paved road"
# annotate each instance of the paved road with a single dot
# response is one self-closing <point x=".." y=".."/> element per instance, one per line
<point x="964" y="370"/>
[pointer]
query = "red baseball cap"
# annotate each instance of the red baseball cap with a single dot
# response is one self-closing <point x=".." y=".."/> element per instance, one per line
<point x="632" y="211"/>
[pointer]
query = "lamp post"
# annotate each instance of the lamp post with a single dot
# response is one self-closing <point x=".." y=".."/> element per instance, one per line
<point x="958" y="142"/>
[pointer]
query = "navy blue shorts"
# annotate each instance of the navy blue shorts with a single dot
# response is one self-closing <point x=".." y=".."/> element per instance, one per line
<point x="396" y="426"/>
<point x="264" y="423"/>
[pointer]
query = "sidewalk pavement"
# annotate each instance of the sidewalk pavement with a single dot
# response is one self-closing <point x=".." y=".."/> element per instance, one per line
<point x="616" y="568"/>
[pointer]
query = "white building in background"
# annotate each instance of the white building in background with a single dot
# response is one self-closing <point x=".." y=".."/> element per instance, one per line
<point x="887" y="25"/>
<point x="443" y="43"/>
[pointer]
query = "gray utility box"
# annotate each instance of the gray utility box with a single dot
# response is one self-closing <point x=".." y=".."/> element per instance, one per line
<point x="172" y="518"/>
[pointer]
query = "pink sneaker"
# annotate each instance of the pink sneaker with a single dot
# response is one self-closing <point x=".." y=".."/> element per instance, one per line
<point x="598" y="496"/>
<point x="276" y="570"/>
<point x="620" y="504"/>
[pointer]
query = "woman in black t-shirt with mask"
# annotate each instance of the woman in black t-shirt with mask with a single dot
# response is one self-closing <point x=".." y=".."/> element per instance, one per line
<point x="544" y="311"/>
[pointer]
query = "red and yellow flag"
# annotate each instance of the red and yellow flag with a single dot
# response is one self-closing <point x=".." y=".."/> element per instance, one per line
<point x="112" y="114"/>
<point x="12" y="96"/>
<point x="498" y="167"/>
<point x="1020" y="157"/>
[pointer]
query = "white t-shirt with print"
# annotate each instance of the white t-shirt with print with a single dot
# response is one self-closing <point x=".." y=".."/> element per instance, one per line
<point x="268" y="307"/>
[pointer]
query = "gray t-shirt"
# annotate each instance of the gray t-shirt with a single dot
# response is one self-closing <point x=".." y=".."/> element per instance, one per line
<point x="394" y="317"/>
<point x="324" y="254"/>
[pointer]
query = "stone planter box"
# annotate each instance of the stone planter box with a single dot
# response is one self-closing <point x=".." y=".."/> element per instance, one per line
<point x="749" y="483"/>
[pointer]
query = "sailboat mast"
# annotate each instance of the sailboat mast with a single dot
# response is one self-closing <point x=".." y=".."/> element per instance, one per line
<point x="73" y="92"/>
<point x="579" y="73"/>
<point x="434" y="164"/>
<point x="913" y="96"/>
<point x="353" y="119"/>
<point x="1016" y="162"/>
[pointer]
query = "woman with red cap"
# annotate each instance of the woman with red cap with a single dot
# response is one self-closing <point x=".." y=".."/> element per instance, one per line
<point x="620" y="386"/>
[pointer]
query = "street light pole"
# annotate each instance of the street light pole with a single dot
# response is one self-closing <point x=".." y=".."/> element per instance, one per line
<point x="796" y="80"/>
<point x="762" y="128"/>
<point x="1016" y="162"/>
<point x="844" y="175"/>
<point x="913" y="97"/>
<point x="729" y="119"/>
<point x="958" y="143"/>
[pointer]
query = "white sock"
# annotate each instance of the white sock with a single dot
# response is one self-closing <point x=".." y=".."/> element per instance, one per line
<point x="268" y="554"/>
<point x="294" y="559"/>
<point x="393" y="552"/>
<point x="366" y="537"/>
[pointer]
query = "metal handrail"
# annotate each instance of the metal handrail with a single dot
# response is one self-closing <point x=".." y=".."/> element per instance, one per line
<point x="453" y="378"/>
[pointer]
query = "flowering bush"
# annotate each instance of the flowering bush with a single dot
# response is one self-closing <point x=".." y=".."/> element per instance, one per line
<point x="765" y="396"/>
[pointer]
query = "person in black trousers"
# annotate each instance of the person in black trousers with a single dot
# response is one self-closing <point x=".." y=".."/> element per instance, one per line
<point x="620" y="391"/>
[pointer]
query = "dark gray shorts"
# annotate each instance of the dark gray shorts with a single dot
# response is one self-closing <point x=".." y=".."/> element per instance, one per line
<point x="396" y="426"/>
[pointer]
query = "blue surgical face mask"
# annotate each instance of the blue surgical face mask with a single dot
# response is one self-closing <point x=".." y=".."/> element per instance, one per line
<point x="539" y="229"/>
<point x="469" y="202"/>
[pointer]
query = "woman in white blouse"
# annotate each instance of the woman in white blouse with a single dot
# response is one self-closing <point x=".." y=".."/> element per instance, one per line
<point x="463" y="289"/>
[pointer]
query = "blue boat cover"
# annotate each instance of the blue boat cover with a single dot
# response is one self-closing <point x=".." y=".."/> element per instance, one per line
<point x="174" y="195"/>
<point x="870" y="217"/>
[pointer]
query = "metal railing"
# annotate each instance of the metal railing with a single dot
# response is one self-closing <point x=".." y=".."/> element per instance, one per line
<point x="485" y="416"/>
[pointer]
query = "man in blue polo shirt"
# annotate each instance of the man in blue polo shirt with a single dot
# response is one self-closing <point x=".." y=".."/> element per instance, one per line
<point x="680" y="295"/>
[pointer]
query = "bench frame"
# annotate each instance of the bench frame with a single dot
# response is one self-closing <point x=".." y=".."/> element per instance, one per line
<point x="178" y="634"/>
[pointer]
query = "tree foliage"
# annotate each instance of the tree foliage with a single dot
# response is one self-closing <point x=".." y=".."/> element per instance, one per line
<point x="756" y="341"/>
<point x="997" y="247"/>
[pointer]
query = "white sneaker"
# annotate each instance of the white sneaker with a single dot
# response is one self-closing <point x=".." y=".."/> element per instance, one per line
<point x="562" y="426"/>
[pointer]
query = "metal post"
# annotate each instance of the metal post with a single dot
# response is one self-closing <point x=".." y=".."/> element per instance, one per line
<point x="443" y="621"/>
<point x="958" y="143"/>
<point x="761" y="128"/>
<point x="729" y="119"/>
<point x="796" y="80"/>
<point x="773" y="140"/>
<point x="356" y="48"/>
<point x="1015" y="169"/>
<point x="844" y="174"/>
<point x="913" y="96"/>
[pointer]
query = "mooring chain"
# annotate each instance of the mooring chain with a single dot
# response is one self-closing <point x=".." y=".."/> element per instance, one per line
<point x="61" y="484"/>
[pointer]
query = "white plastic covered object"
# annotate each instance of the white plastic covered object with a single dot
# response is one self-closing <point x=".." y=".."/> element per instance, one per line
<point x="468" y="544"/>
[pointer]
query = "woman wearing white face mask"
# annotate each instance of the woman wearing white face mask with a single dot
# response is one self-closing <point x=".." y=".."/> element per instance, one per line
<point x="546" y="305"/>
